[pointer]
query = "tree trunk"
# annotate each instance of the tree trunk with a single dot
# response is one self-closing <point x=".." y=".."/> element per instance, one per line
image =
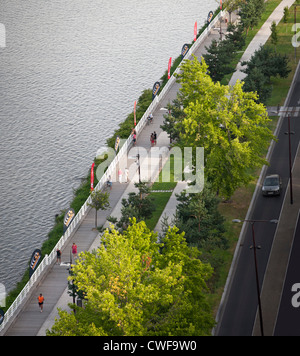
<point x="96" y="218"/>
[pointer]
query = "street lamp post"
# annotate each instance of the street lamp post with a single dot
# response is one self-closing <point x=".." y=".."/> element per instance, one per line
<point x="254" y="247"/>
<point x="290" y="157"/>
<point x="289" y="133"/>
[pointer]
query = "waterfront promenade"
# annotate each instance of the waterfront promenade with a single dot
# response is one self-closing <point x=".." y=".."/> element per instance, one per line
<point x="30" y="321"/>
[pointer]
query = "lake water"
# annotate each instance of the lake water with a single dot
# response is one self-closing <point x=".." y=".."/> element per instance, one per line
<point x="70" y="73"/>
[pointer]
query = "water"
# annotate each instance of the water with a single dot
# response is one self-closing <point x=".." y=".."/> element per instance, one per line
<point x="70" y="72"/>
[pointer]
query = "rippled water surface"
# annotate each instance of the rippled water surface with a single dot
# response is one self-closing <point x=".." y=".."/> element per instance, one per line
<point x="70" y="72"/>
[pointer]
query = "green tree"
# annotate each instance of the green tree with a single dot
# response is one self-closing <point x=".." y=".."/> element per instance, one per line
<point x="264" y="64"/>
<point x="286" y="14"/>
<point x="137" y="287"/>
<point x="257" y="82"/>
<point x="170" y="119"/>
<point x="198" y="216"/>
<point x="232" y="5"/>
<point x="270" y="63"/>
<point x="218" y="58"/>
<point x="235" y="36"/>
<point x="274" y="34"/>
<point x="100" y="201"/>
<point x="219" y="55"/>
<point x="227" y="122"/>
<point x="138" y="205"/>
<point x="250" y="13"/>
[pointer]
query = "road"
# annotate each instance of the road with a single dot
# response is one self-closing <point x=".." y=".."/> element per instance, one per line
<point x="241" y="303"/>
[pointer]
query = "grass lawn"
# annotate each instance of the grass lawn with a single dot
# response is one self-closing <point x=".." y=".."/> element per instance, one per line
<point x="162" y="197"/>
<point x="160" y="200"/>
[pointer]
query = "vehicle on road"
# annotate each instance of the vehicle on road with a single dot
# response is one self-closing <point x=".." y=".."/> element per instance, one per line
<point x="272" y="185"/>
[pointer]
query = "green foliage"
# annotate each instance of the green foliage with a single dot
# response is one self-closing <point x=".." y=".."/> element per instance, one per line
<point x="286" y="14"/>
<point x="100" y="201"/>
<point x="250" y="13"/>
<point x="138" y="205"/>
<point x="274" y="34"/>
<point x="264" y="64"/>
<point x="231" y="5"/>
<point x="235" y="36"/>
<point x="220" y="55"/>
<point x="224" y="120"/>
<point x="257" y="82"/>
<point x="218" y="58"/>
<point x="137" y="287"/>
<point x="176" y="114"/>
<point x="80" y="195"/>
<point x="198" y="215"/>
<point x="269" y="62"/>
<point x="174" y="66"/>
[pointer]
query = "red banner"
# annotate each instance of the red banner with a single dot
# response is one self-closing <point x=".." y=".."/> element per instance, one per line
<point x="92" y="176"/>
<point x="195" y="31"/>
<point x="169" y="68"/>
<point x="134" y="113"/>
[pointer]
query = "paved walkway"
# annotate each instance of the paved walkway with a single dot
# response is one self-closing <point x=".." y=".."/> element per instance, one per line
<point x="30" y="321"/>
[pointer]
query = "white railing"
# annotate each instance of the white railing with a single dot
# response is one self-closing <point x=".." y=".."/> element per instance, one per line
<point x="48" y="259"/>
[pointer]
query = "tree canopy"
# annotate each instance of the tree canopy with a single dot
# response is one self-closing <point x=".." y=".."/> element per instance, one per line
<point x="220" y="54"/>
<point x="138" y="205"/>
<point x="227" y="122"/>
<point x="100" y="201"/>
<point x="250" y="12"/>
<point x="135" y="286"/>
<point x="263" y="65"/>
<point x="198" y="216"/>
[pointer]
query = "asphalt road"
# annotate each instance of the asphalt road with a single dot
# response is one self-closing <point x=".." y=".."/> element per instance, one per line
<point x="241" y="304"/>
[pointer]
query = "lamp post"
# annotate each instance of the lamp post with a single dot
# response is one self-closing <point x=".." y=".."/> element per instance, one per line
<point x="289" y="133"/>
<point x="71" y="284"/>
<point x="254" y="247"/>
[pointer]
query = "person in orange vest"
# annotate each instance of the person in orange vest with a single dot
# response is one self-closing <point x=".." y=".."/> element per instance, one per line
<point x="41" y="301"/>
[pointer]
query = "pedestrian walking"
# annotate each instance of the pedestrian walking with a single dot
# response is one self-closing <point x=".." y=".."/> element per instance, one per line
<point x="41" y="301"/>
<point x="120" y="173"/>
<point x="74" y="250"/>
<point x="150" y="119"/>
<point x="134" y="139"/>
<point x="155" y="137"/>
<point x="109" y="182"/>
<point x="58" y="256"/>
<point x="152" y="140"/>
